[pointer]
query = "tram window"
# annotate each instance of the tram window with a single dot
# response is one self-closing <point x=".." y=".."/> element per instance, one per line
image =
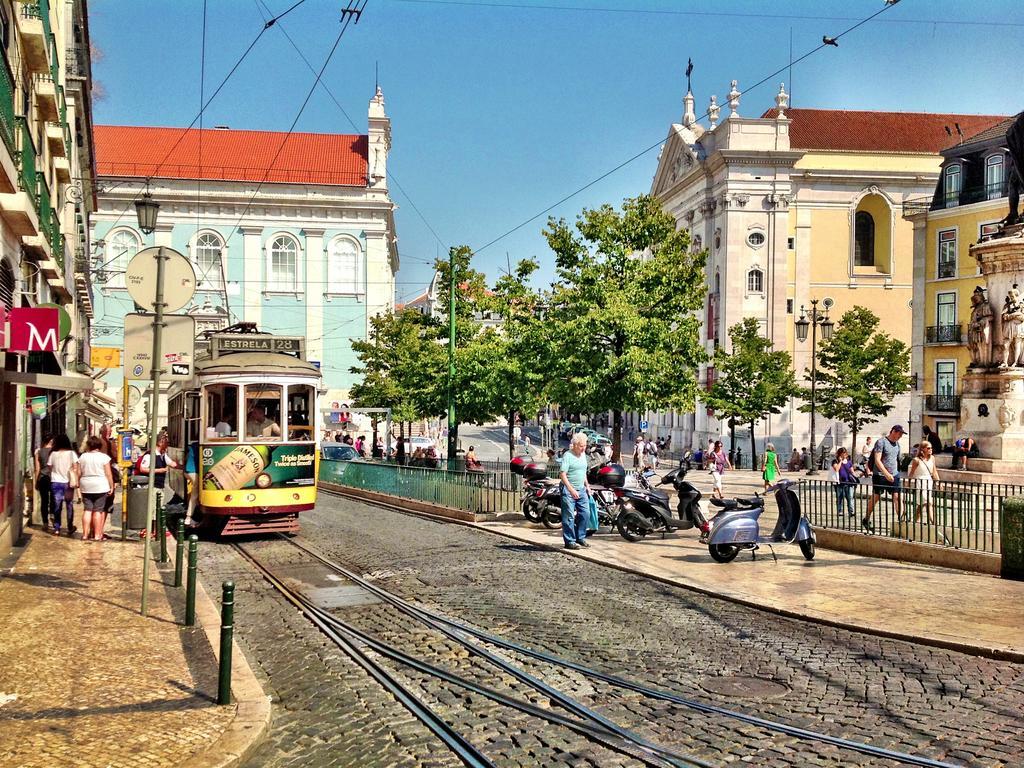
<point x="192" y="417"/>
<point x="301" y="399"/>
<point x="175" y="417"/>
<point x="221" y="411"/>
<point x="263" y="411"/>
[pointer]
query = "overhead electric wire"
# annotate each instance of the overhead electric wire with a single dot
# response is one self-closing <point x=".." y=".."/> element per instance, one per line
<point x="661" y="141"/>
<point x="351" y="122"/>
<point x="203" y="107"/>
<point x="353" y="10"/>
<point x="723" y="14"/>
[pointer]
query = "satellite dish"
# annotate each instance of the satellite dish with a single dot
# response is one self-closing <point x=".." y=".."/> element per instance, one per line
<point x="179" y="279"/>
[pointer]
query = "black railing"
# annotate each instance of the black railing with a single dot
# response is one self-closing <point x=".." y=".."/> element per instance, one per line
<point x="943" y="334"/>
<point x="973" y="194"/>
<point x="947" y="269"/>
<point x="942" y="403"/>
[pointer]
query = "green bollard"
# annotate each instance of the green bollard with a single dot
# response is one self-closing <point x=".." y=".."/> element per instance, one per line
<point x="193" y="575"/>
<point x="179" y="553"/>
<point x="161" y="531"/>
<point x="227" y="633"/>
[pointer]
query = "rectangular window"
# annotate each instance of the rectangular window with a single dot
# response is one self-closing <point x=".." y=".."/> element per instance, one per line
<point x="789" y="306"/>
<point x="946" y="430"/>
<point x="994" y="177"/>
<point x="791" y="243"/>
<point x="301" y="402"/>
<point x="945" y="309"/>
<point x="221" y="403"/>
<point x="945" y="378"/>
<point x="951" y="185"/>
<point x="987" y="230"/>
<point x="263" y="413"/>
<point x="947" y="254"/>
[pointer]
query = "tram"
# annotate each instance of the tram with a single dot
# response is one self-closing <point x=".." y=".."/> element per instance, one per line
<point x="249" y="415"/>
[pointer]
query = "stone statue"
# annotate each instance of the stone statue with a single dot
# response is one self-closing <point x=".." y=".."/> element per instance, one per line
<point x="979" y="330"/>
<point x="1013" y="328"/>
<point x="1007" y="416"/>
<point x="1015" y="178"/>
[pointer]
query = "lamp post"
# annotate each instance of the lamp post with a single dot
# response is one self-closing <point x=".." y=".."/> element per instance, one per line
<point x="817" y="318"/>
<point x="146" y="209"/>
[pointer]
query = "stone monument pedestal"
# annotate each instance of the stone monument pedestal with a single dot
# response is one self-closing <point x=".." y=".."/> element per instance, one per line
<point x="992" y="391"/>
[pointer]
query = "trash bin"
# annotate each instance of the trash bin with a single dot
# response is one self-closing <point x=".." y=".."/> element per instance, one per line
<point x="1011" y="538"/>
<point x="138" y="495"/>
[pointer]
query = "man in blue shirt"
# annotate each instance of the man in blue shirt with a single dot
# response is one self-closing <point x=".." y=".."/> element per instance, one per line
<point x="575" y="493"/>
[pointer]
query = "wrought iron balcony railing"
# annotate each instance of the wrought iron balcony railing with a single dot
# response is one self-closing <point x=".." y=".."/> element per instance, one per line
<point x="943" y="334"/>
<point x="942" y="403"/>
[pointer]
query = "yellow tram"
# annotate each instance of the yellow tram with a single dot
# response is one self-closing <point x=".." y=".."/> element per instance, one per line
<point x="249" y="417"/>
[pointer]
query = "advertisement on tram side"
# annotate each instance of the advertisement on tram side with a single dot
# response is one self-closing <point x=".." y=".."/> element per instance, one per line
<point x="238" y="467"/>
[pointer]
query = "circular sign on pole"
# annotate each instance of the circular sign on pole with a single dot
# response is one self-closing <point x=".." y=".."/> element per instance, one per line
<point x="179" y="278"/>
<point x="64" y="319"/>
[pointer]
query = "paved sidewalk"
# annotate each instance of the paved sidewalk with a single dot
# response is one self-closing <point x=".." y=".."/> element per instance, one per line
<point x="85" y="680"/>
<point x="951" y="609"/>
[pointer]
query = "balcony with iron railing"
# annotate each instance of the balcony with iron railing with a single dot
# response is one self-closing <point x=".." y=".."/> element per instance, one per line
<point x="34" y="32"/>
<point x="943" y="334"/>
<point x="946" y="269"/>
<point x="7" y="124"/>
<point x="46" y="96"/>
<point x="976" y="193"/>
<point x="28" y="175"/>
<point x="942" y="403"/>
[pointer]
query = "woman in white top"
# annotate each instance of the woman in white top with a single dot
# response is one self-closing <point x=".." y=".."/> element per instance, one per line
<point x="62" y="479"/>
<point x="922" y="475"/>
<point x="97" y="484"/>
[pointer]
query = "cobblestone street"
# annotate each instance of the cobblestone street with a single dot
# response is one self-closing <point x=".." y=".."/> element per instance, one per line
<point x="892" y="694"/>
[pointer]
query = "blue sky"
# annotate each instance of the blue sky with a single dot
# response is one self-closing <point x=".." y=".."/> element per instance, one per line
<point x="498" y="112"/>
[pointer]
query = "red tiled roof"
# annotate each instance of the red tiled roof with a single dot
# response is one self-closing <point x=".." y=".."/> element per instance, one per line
<point x="864" y="131"/>
<point x="997" y="131"/>
<point x="229" y="155"/>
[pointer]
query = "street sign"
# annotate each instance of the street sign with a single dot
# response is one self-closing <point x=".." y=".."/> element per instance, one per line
<point x="644" y="425"/>
<point x="38" y="406"/>
<point x="63" y="319"/>
<point x="33" y="329"/>
<point x="178" y="346"/>
<point x="179" y="279"/>
<point x="105" y="357"/>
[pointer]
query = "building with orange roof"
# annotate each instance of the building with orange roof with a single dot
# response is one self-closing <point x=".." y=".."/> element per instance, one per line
<point x="795" y="205"/>
<point x="294" y="232"/>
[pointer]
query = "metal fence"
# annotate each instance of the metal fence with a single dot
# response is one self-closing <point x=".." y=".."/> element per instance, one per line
<point x="476" y="492"/>
<point x="951" y="514"/>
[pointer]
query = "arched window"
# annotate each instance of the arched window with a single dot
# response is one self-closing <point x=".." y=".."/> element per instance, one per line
<point x="951" y="185"/>
<point x="755" y="281"/>
<point x="122" y="245"/>
<point x="994" y="175"/>
<point x="283" y="272"/>
<point x="864" y="240"/>
<point x="209" y="248"/>
<point x="343" y="261"/>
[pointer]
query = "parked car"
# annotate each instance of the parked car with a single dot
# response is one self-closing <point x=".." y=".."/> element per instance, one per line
<point x="339" y="452"/>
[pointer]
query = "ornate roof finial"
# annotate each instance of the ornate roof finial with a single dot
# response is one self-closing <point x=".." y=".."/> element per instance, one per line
<point x="713" y="111"/>
<point x="782" y="100"/>
<point x="734" y="100"/>
<point x="689" y="117"/>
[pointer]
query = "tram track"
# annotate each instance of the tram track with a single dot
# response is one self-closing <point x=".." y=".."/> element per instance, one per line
<point x="349" y="638"/>
<point x="475" y="641"/>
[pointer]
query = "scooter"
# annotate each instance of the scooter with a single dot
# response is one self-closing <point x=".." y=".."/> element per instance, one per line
<point x="736" y="526"/>
<point x="603" y="477"/>
<point x="647" y="511"/>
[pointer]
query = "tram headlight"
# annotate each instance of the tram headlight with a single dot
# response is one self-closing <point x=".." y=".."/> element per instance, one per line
<point x="295" y="496"/>
<point x="227" y="497"/>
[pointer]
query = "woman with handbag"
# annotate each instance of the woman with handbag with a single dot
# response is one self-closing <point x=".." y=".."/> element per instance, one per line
<point x="63" y="480"/>
<point x="97" y="486"/>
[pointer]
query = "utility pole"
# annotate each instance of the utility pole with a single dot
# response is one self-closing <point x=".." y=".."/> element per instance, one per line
<point x="125" y="416"/>
<point x="154" y="407"/>
<point x="452" y="426"/>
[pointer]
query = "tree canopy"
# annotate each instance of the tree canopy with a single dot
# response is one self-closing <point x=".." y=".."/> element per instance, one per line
<point x="859" y="371"/>
<point x="753" y="380"/>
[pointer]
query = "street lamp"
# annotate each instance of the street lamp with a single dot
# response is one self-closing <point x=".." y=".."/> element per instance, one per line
<point x="817" y="318"/>
<point x="146" y="208"/>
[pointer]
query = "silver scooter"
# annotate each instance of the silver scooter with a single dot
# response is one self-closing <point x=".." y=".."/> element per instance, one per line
<point x="736" y="527"/>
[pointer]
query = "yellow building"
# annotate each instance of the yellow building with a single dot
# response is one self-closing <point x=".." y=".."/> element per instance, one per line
<point x="796" y="205"/>
<point x="968" y="202"/>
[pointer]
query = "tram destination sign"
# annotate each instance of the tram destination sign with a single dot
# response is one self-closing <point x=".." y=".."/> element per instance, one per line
<point x="222" y="344"/>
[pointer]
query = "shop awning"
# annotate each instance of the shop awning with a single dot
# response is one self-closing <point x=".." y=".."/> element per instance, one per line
<point x="68" y="382"/>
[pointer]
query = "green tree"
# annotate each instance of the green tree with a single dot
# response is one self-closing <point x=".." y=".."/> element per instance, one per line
<point x="400" y="363"/>
<point x="752" y="381"/>
<point x="859" y="371"/>
<point x="519" y="372"/>
<point x="624" y="330"/>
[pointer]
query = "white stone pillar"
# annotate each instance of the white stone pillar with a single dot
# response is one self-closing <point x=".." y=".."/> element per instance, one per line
<point x="316" y="284"/>
<point x="162" y="234"/>
<point x="253" y="275"/>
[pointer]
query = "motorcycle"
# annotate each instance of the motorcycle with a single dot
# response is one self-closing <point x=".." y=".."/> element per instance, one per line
<point x="646" y="511"/>
<point x="736" y="526"/>
<point x="602" y="476"/>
